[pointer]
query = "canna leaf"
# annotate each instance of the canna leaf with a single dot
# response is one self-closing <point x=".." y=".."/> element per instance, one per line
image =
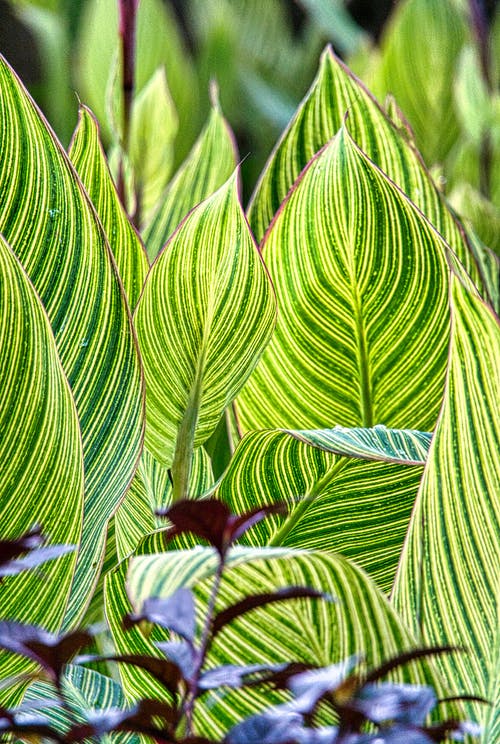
<point x="379" y="443"/>
<point x="335" y="93"/>
<point x="208" y="166"/>
<point x="150" y="491"/>
<point x="206" y="313"/>
<point x="358" y="508"/>
<point x="89" y="159"/>
<point x="448" y="584"/>
<point x="307" y="630"/>
<point x="420" y="50"/>
<point x="361" y="282"/>
<point x="49" y="221"/>
<point x="40" y="451"/>
<point x="86" y="692"/>
<point x="153" y="128"/>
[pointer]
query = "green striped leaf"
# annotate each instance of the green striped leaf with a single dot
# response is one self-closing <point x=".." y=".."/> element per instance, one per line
<point x="151" y="490"/>
<point x="361" y="282"/>
<point x="153" y="128"/>
<point x="313" y="631"/>
<point x="49" y="221"/>
<point x="40" y="451"/>
<point x="335" y="93"/>
<point x="206" y="313"/>
<point x="85" y="691"/>
<point x="358" y="508"/>
<point x="420" y="50"/>
<point x="448" y="586"/>
<point x="89" y="159"/>
<point x="208" y="166"/>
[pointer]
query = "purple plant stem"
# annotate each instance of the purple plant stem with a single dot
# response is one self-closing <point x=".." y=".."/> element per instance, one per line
<point x="480" y="29"/>
<point x="127" y="10"/>
<point x="203" y="648"/>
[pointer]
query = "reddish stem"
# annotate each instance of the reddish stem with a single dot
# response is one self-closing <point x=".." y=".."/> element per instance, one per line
<point x="127" y="10"/>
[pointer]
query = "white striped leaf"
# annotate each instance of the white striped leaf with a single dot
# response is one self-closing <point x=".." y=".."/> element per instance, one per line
<point x="41" y="474"/>
<point x="151" y="490"/>
<point x="448" y="586"/>
<point x="208" y="166"/>
<point x="361" y="282"/>
<point x="358" y="508"/>
<point x="85" y="691"/>
<point x="379" y="443"/>
<point x="313" y="631"/>
<point x="335" y="93"/>
<point x="206" y="314"/>
<point x="47" y="217"/>
<point x="89" y="159"/>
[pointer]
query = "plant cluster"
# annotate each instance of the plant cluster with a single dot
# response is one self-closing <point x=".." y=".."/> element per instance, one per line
<point x="397" y="711"/>
<point x="326" y="358"/>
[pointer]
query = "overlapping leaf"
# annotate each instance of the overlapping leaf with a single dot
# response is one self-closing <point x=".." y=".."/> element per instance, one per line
<point x="153" y="128"/>
<point x="89" y="159"/>
<point x="40" y="451"/>
<point x="208" y="166"/>
<point x="46" y="216"/>
<point x="358" y="508"/>
<point x="150" y="490"/>
<point x="205" y="315"/>
<point x="85" y="692"/>
<point x="361" y="283"/>
<point x="313" y="631"/>
<point x="448" y="587"/>
<point x="335" y="93"/>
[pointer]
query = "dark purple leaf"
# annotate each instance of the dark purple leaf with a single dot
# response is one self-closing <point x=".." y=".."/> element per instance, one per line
<point x="240" y="524"/>
<point x="452" y="729"/>
<point x="17" y="546"/>
<point x="267" y="729"/>
<point x="404" y="658"/>
<point x="34" y="559"/>
<point x="211" y="520"/>
<point x="396" y="735"/>
<point x="408" y="704"/>
<point x="311" y="686"/>
<point x="182" y="654"/>
<point x="166" y="672"/>
<point x="234" y="675"/>
<point x="259" y="600"/>
<point x="326" y="735"/>
<point x="49" y="650"/>
<point x="282" y="673"/>
<point x="174" y="613"/>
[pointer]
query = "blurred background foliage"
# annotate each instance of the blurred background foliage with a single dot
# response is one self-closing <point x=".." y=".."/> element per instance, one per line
<point x="440" y="59"/>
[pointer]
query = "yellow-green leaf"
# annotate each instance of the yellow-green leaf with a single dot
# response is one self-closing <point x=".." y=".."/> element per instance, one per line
<point x="41" y="476"/>
<point x="362" y="287"/>
<point x="448" y="586"/>
<point x="311" y="631"/>
<point x="89" y="159"/>
<point x="206" y="314"/>
<point x="50" y="223"/>
<point x="153" y="128"/>
<point x="420" y="49"/>
<point x="208" y="166"/>
<point x="360" y="508"/>
<point x="335" y="95"/>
